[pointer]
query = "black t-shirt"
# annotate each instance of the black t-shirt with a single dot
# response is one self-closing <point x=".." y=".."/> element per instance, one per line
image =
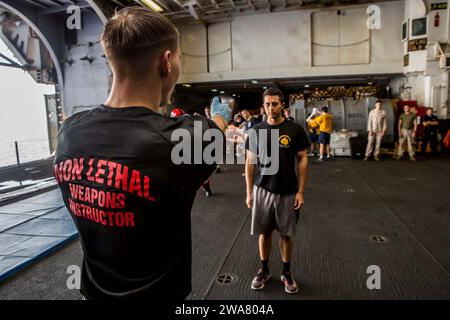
<point x="291" y="140"/>
<point x="430" y="129"/>
<point x="131" y="204"/>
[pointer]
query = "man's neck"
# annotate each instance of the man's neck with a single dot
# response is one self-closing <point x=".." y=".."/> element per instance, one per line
<point x="127" y="94"/>
<point x="275" y="121"/>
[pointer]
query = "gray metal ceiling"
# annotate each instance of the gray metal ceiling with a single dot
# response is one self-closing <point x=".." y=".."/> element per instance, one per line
<point x="202" y="10"/>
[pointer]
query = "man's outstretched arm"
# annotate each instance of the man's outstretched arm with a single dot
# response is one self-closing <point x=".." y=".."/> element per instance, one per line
<point x="221" y="112"/>
<point x="249" y="174"/>
<point x="302" y="175"/>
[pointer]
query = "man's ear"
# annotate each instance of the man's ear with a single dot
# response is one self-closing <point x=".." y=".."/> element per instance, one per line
<point x="165" y="65"/>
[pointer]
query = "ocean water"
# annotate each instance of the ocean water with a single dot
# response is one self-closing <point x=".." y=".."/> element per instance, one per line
<point x="30" y="149"/>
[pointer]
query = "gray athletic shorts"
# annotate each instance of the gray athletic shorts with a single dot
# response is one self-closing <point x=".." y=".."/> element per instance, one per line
<point x="273" y="211"/>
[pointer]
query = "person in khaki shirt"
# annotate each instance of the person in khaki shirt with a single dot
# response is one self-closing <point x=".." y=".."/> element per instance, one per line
<point x="407" y="128"/>
<point x="376" y="127"/>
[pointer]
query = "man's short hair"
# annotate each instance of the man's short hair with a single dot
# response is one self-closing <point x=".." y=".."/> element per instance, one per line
<point x="133" y="34"/>
<point x="430" y="108"/>
<point x="379" y="101"/>
<point x="325" y="109"/>
<point x="272" y="91"/>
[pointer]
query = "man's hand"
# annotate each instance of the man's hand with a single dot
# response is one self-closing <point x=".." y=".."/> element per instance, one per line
<point x="371" y="133"/>
<point x="249" y="200"/>
<point x="414" y="134"/>
<point x="299" y="201"/>
<point x="382" y="133"/>
<point x="222" y="109"/>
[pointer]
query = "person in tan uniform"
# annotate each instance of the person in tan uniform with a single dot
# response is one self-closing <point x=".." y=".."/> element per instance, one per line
<point x="376" y="127"/>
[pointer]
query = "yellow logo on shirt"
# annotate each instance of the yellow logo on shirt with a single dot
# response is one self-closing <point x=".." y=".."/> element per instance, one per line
<point x="285" y="141"/>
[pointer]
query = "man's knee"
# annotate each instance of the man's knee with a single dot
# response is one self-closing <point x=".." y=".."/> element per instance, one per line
<point x="266" y="236"/>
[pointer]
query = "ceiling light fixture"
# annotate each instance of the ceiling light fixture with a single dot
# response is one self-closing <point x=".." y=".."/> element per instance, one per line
<point x="153" y="5"/>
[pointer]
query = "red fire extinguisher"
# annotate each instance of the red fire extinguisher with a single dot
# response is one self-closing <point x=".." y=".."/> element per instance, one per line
<point x="436" y="19"/>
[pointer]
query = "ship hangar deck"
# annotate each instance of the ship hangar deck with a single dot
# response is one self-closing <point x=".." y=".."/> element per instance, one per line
<point x="347" y="202"/>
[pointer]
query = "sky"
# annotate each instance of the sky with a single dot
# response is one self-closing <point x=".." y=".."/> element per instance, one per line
<point x="22" y="103"/>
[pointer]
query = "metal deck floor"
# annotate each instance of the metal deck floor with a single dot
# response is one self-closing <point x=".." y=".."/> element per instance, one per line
<point x="347" y="201"/>
<point x="30" y="229"/>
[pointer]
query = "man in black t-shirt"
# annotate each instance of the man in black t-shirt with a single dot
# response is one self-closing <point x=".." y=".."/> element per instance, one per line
<point x="128" y="193"/>
<point x="274" y="192"/>
<point x="431" y="124"/>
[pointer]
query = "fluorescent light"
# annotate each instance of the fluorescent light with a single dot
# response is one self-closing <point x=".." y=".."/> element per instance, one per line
<point x="222" y="92"/>
<point x="306" y="85"/>
<point x="264" y="88"/>
<point x="254" y="81"/>
<point x="214" y="90"/>
<point x="234" y="94"/>
<point x="152" y="5"/>
<point x="187" y="85"/>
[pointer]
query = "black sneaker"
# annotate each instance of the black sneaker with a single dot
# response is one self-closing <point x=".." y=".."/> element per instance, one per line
<point x="260" y="280"/>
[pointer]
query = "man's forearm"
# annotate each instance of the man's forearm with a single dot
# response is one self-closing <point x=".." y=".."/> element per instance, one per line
<point x="303" y="172"/>
<point x="220" y="122"/>
<point x="249" y="173"/>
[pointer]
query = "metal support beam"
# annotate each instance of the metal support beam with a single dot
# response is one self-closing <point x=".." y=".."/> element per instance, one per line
<point x="189" y="5"/>
<point x="216" y="5"/>
<point x="48" y="31"/>
<point x="64" y="8"/>
<point x="37" y="4"/>
<point x="9" y="63"/>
